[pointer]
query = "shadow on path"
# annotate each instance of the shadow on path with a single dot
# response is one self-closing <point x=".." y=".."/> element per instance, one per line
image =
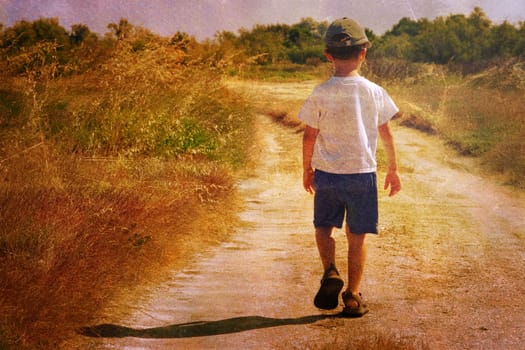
<point x="198" y="329"/>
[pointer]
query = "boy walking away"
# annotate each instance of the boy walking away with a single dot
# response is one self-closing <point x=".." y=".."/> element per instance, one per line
<point x="344" y="117"/>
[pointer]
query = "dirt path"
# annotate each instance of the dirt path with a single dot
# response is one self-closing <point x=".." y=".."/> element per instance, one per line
<point x="446" y="271"/>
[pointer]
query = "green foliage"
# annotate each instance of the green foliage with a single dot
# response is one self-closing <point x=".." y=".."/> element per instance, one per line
<point x="121" y="30"/>
<point x="189" y="137"/>
<point x="453" y="39"/>
<point x="24" y="34"/>
<point x="80" y="33"/>
<point x="456" y="39"/>
<point x="274" y="44"/>
<point x="148" y="97"/>
<point x="183" y="41"/>
<point x="266" y="40"/>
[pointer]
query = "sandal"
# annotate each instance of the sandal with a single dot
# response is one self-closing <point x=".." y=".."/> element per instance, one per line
<point x="353" y="311"/>
<point x="327" y="297"/>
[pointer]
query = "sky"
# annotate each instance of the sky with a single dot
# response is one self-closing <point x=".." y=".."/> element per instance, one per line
<point x="204" y="18"/>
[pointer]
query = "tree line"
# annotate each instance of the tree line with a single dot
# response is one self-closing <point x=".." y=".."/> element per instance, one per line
<point x="453" y="39"/>
<point x="457" y="39"/>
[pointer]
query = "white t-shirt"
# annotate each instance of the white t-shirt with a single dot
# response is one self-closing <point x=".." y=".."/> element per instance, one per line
<point x="347" y="111"/>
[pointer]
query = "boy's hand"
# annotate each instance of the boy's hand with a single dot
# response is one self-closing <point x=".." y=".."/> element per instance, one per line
<point x="393" y="181"/>
<point x="308" y="180"/>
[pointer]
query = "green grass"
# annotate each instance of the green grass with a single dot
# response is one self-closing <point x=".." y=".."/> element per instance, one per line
<point x="285" y="72"/>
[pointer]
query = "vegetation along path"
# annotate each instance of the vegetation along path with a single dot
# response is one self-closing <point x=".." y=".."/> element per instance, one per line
<point x="446" y="272"/>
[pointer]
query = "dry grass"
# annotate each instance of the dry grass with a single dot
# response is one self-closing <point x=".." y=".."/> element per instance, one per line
<point x="77" y="231"/>
<point x="100" y="172"/>
<point x="480" y="116"/>
<point x="361" y="337"/>
<point x="375" y="341"/>
<point x="107" y="180"/>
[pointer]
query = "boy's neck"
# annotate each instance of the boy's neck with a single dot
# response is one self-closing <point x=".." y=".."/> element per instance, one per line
<point x="346" y="68"/>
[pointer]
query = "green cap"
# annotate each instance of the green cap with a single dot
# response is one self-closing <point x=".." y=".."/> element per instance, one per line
<point x="345" y="32"/>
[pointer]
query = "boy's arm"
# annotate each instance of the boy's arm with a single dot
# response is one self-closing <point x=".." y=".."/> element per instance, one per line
<point x="309" y="137"/>
<point x="392" y="178"/>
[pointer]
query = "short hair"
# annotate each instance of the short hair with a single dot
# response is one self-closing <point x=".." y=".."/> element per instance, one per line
<point x="346" y="52"/>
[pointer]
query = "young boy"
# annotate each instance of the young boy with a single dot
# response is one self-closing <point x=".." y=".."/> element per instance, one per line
<point x="344" y="117"/>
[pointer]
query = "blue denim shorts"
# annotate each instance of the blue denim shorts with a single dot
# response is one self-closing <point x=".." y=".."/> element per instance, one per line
<point x="352" y="194"/>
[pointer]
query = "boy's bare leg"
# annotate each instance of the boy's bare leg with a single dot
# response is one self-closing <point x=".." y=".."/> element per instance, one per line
<point x="325" y="245"/>
<point x="356" y="260"/>
<point x="327" y="297"/>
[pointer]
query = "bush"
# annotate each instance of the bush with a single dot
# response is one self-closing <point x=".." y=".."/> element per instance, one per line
<point x="97" y="170"/>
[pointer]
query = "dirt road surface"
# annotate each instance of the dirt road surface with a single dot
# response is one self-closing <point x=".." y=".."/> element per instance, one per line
<point x="446" y="272"/>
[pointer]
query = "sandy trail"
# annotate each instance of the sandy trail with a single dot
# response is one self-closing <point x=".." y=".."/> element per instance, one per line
<point x="446" y="270"/>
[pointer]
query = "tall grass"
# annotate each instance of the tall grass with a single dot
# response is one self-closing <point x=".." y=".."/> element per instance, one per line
<point x="107" y="179"/>
<point x="479" y="115"/>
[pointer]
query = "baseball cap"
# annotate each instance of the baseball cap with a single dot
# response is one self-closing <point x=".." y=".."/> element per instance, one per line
<point x="345" y="32"/>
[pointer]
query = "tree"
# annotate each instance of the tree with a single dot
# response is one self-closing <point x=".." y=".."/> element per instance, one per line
<point x="519" y="49"/>
<point x="39" y="43"/>
<point x="435" y="43"/>
<point x="26" y="34"/>
<point x="504" y="40"/>
<point x="370" y="35"/>
<point x="304" y="33"/>
<point x="122" y="29"/>
<point x="456" y="38"/>
<point x="478" y="36"/>
<point x="304" y="41"/>
<point x="265" y="42"/>
<point x="50" y="30"/>
<point x="393" y="46"/>
<point x="226" y="46"/>
<point x="183" y="41"/>
<point x="80" y="33"/>
<point x="406" y="26"/>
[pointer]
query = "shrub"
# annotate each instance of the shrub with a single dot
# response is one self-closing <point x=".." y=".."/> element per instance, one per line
<point x="97" y="170"/>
